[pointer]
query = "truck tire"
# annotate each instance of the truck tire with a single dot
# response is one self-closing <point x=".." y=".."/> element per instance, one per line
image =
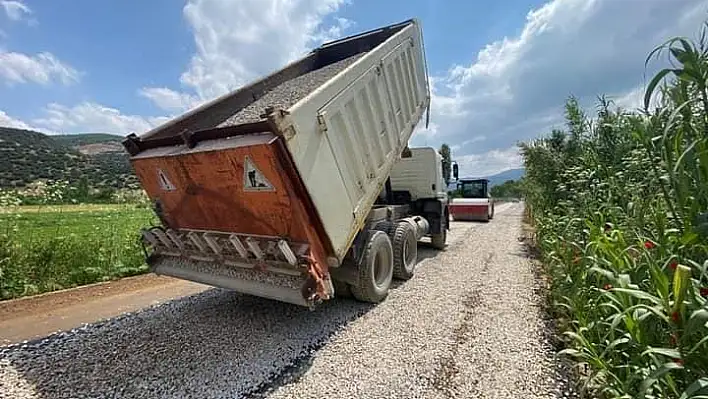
<point x="387" y="227"/>
<point x="376" y="270"/>
<point x="405" y="251"/>
<point x="438" y="240"/>
<point x="341" y="289"/>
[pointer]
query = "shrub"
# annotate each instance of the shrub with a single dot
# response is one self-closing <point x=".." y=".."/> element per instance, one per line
<point x="620" y="207"/>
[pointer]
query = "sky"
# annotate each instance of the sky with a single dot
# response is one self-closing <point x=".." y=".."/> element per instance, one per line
<point x="500" y="70"/>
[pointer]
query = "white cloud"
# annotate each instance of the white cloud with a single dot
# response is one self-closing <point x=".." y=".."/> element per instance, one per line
<point x="15" y="10"/>
<point x="89" y="117"/>
<point x="41" y="68"/>
<point x="8" y="121"/>
<point x="488" y="163"/>
<point x="333" y="32"/>
<point x="515" y="88"/>
<point x="240" y="41"/>
<point x="236" y="42"/>
<point x="169" y="99"/>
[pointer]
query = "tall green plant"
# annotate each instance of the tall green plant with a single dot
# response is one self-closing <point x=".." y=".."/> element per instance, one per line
<point x="620" y="205"/>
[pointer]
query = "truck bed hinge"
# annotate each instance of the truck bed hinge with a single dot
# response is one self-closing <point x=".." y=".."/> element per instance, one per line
<point x="321" y="122"/>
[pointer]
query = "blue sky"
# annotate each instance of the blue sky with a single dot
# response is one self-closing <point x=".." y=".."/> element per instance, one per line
<point x="500" y="70"/>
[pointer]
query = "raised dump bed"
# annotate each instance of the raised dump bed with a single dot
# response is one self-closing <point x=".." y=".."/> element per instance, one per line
<point x="264" y="189"/>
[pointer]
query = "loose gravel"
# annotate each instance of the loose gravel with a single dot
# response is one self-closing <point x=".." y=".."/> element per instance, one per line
<point x="288" y="93"/>
<point x="211" y="345"/>
<point x="469" y="324"/>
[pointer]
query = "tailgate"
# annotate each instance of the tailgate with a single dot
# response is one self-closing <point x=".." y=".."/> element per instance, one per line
<point x="234" y="201"/>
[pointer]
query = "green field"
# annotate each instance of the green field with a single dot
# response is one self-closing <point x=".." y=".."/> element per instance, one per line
<point x="46" y="248"/>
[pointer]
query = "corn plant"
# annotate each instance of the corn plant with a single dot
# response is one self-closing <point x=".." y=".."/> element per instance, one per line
<point x="620" y="208"/>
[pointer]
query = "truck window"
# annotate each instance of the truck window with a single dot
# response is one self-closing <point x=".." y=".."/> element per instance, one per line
<point x="472" y="190"/>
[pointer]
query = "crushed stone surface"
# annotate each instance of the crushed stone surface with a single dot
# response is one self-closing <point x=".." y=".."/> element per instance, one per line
<point x="288" y="93"/>
<point x="468" y="325"/>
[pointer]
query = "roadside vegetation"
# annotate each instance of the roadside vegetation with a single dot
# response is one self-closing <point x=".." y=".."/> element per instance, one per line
<point x="51" y="239"/>
<point x="619" y="203"/>
<point x="508" y="189"/>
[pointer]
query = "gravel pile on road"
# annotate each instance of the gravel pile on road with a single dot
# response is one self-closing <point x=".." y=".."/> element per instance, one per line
<point x="288" y="93"/>
<point x="468" y="325"/>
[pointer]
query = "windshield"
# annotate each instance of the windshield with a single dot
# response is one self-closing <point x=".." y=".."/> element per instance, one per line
<point x="472" y="189"/>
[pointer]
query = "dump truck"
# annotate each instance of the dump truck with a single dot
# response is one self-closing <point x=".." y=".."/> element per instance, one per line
<point x="300" y="186"/>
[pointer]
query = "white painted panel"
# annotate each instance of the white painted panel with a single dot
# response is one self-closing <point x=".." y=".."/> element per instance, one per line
<point x="417" y="174"/>
<point x="369" y="110"/>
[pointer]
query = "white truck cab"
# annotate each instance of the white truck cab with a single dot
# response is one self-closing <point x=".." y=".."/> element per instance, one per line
<point x="420" y="174"/>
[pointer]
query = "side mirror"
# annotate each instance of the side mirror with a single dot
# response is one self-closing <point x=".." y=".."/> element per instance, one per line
<point x="455" y="171"/>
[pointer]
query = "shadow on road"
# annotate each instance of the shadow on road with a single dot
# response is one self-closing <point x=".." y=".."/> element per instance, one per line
<point x="213" y="344"/>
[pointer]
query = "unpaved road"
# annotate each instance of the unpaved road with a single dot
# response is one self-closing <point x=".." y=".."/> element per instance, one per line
<point x="39" y="316"/>
<point x="469" y="324"/>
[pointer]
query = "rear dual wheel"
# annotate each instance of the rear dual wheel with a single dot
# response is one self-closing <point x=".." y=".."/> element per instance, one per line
<point x="384" y="259"/>
<point x="376" y="270"/>
<point x="405" y="251"/>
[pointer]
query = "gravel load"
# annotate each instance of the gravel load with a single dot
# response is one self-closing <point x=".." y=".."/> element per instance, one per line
<point x="288" y="93"/>
<point x="469" y="324"/>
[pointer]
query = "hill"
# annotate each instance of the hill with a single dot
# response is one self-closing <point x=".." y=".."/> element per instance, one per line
<point x="497" y="179"/>
<point x="86" y="138"/>
<point x="26" y="156"/>
<point x="511" y="174"/>
<point x="92" y="143"/>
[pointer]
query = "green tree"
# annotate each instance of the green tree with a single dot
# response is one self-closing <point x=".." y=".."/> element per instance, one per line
<point x="508" y="189"/>
<point x="446" y="162"/>
<point x="83" y="189"/>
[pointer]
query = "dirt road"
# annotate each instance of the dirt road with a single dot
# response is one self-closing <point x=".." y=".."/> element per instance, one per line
<point x="469" y="324"/>
<point x="35" y="317"/>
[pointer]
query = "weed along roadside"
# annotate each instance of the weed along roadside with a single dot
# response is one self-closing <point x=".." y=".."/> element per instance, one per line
<point x="48" y="248"/>
<point x="620" y="212"/>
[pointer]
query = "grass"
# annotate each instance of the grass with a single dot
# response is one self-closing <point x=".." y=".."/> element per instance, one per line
<point x="619" y="204"/>
<point x="46" y="248"/>
<point x="27" y="210"/>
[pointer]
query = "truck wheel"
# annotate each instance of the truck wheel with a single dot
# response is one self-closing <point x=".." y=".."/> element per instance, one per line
<point x="376" y="270"/>
<point x="405" y="251"/>
<point x="341" y="289"/>
<point x="387" y="227"/>
<point x="438" y="240"/>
